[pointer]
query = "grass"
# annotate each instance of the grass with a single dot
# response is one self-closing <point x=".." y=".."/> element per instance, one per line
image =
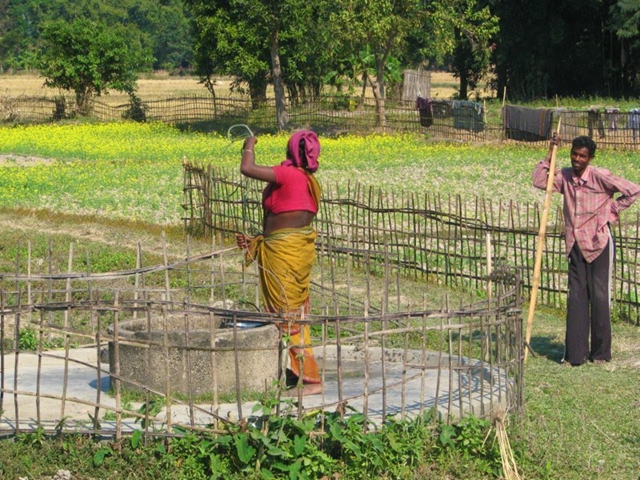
<point x="580" y="422"/>
<point x="134" y="172"/>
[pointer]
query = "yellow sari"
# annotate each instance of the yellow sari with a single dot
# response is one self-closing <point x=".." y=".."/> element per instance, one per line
<point x="285" y="258"/>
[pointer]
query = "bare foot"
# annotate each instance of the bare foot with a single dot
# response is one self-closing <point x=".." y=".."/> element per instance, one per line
<point x="307" y="389"/>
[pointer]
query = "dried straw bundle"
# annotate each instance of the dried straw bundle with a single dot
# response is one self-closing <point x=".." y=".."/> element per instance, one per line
<point x="509" y="466"/>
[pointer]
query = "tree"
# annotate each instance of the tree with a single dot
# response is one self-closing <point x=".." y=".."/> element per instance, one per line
<point x="473" y="48"/>
<point x="542" y="45"/>
<point x="159" y="25"/>
<point x="241" y="38"/>
<point x="625" y="24"/>
<point x="88" y="58"/>
<point x="385" y="26"/>
<point x="165" y="29"/>
<point x="261" y="42"/>
<point x="226" y="43"/>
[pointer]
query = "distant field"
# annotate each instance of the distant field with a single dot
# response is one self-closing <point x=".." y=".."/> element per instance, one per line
<point x="153" y="87"/>
<point x="159" y="86"/>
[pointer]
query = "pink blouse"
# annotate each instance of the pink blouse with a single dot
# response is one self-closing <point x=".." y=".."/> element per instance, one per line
<point x="290" y="191"/>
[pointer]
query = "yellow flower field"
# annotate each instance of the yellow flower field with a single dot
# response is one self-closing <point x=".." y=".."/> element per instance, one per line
<point x="134" y="171"/>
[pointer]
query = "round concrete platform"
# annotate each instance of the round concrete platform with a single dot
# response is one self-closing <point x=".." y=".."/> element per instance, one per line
<point x="405" y="388"/>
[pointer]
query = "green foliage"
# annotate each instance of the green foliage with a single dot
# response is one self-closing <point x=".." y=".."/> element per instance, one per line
<point x="470" y="441"/>
<point x="151" y="408"/>
<point x="582" y="36"/>
<point x="228" y="43"/>
<point x="89" y="58"/>
<point x="28" y="339"/>
<point x="137" y="110"/>
<point x="37" y="438"/>
<point x="162" y="27"/>
<point x="100" y="455"/>
<point x="268" y="446"/>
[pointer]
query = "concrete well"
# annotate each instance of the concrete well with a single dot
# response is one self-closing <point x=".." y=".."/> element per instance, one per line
<point x="252" y="345"/>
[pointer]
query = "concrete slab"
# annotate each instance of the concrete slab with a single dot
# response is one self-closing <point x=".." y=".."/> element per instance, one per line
<point x="388" y="388"/>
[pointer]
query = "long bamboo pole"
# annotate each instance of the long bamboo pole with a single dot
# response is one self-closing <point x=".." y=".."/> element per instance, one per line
<point x="540" y="249"/>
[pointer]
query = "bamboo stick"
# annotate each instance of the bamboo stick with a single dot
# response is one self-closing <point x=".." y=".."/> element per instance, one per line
<point x="540" y="249"/>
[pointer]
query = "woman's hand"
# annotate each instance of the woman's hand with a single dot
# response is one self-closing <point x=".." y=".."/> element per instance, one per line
<point x="242" y="241"/>
<point x="249" y="142"/>
<point x="248" y="165"/>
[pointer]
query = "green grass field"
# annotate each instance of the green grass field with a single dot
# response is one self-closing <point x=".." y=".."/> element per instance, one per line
<point x="116" y="183"/>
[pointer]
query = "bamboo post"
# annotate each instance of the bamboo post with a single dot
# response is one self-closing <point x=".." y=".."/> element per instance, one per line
<point x="539" y="250"/>
<point x="504" y="123"/>
<point x="489" y="265"/>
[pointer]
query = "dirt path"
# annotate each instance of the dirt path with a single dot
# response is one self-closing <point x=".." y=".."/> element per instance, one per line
<point x="9" y="160"/>
<point x="119" y="233"/>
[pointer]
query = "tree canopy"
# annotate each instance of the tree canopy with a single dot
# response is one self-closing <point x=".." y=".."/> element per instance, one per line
<point x="88" y="58"/>
<point x="162" y="26"/>
<point x="533" y="49"/>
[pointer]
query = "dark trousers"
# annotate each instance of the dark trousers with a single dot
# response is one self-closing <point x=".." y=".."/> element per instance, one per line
<point x="588" y="307"/>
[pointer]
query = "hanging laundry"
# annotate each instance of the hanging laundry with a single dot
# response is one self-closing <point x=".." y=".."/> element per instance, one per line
<point x="527" y="124"/>
<point x="613" y="118"/>
<point x="594" y="120"/>
<point x="468" y="115"/>
<point x="633" y="122"/>
<point x="426" y="112"/>
<point x="441" y="108"/>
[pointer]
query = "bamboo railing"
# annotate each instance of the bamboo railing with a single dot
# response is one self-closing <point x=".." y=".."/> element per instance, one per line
<point x="70" y="356"/>
<point x="442" y="238"/>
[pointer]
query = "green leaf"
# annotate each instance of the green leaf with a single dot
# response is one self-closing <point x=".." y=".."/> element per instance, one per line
<point x="99" y="456"/>
<point x="294" y="470"/>
<point x="267" y="474"/>
<point x="447" y="434"/>
<point x="278" y="452"/>
<point x="336" y="431"/>
<point x="299" y="444"/>
<point x="244" y="450"/>
<point x="135" y="439"/>
<point x="394" y="443"/>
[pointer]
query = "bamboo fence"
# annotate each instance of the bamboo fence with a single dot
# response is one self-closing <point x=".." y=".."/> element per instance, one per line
<point x="378" y="354"/>
<point x="440" y="238"/>
<point x="334" y="113"/>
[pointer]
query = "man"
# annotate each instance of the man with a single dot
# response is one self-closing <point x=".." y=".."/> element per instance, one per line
<point x="589" y="208"/>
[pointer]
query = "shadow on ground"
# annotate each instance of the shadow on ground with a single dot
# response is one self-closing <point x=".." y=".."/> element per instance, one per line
<point x="547" y="347"/>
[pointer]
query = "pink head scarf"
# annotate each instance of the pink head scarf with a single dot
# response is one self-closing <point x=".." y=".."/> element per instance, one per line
<point x="309" y="160"/>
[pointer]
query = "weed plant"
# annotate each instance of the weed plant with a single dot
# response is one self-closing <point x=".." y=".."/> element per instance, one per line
<point x="270" y="446"/>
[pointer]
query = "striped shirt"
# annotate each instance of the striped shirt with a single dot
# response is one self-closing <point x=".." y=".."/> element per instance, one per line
<point x="588" y="206"/>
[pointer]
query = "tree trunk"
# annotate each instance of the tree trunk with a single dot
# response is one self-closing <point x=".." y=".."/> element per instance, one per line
<point x="258" y="92"/>
<point x="282" y="118"/>
<point x="83" y="101"/>
<point x="378" y="93"/>
<point x="464" y="85"/>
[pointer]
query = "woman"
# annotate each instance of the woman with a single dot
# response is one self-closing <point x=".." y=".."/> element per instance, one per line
<point x="286" y="251"/>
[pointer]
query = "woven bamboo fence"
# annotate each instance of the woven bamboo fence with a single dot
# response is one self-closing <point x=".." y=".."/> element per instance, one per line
<point x="335" y="113"/>
<point x="445" y="239"/>
<point x="378" y="354"/>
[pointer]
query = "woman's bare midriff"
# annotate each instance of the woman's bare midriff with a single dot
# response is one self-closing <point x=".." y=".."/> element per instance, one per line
<point x="295" y="219"/>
